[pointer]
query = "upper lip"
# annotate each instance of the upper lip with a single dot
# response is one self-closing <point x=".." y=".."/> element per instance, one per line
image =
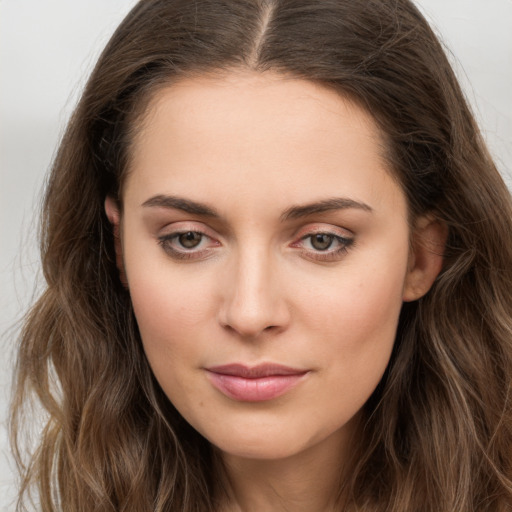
<point x="255" y="372"/>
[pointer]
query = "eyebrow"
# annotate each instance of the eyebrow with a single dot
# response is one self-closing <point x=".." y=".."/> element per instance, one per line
<point x="179" y="203"/>
<point x="294" y="212"/>
<point x="335" y="203"/>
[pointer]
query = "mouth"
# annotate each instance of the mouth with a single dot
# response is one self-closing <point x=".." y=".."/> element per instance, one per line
<point x="254" y="384"/>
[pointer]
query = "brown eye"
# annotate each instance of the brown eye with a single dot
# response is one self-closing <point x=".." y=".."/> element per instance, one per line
<point x="188" y="245"/>
<point x="321" y="241"/>
<point x="190" y="239"/>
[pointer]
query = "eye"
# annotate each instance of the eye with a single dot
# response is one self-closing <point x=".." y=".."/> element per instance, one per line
<point x="321" y="241"/>
<point x="323" y="245"/>
<point x="190" y="239"/>
<point x="187" y="244"/>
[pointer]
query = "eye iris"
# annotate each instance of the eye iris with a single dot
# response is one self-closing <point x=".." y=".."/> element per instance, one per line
<point x="190" y="239"/>
<point x="321" y="241"/>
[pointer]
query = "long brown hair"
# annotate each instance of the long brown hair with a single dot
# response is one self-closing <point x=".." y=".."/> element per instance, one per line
<point x="438" y="430"/>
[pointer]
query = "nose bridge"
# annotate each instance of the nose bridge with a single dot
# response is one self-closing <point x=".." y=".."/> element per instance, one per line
<point x="254" y="301"/>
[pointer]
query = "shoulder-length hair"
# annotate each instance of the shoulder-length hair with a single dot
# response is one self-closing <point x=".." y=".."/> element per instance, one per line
<point x="437" y="434"/>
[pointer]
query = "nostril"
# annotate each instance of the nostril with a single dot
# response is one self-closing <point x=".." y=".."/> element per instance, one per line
<point x="251" y="307"/>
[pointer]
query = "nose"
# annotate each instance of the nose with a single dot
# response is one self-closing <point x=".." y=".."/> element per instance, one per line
<point x="254" y="301"/>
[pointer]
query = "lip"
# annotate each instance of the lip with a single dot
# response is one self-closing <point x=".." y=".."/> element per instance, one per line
<point x="254" y="383"/>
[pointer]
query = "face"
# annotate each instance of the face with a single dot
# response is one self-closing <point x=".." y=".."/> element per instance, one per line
<point x="266" y="249"/>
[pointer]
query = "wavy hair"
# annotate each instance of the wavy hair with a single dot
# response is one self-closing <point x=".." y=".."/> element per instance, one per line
<point x="437" y="435"/>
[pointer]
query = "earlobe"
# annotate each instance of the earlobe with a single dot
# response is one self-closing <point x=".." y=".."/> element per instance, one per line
<point x="425" y="258"/>
<point x="114" y="216"/>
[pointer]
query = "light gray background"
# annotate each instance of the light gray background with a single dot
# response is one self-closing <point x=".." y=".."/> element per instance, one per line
<point x="48" y="47"/>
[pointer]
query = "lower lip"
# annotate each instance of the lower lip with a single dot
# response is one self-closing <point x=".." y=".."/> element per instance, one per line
<point x="254" y="390"/>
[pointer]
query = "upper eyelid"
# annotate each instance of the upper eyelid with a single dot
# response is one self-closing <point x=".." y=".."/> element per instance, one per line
<point x="184" y="226"/>
<point x="319" y="225"/>
<point x="180" y="227"/>
<point x="330" y="229"/>
<point x="175" y="234"/>
<point x="344" y="241"/>
<point x="326" y="232"/>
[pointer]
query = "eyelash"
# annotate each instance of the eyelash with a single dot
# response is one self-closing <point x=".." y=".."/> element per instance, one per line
<point x="166" y="241"/>
<point x="327" y="254"/>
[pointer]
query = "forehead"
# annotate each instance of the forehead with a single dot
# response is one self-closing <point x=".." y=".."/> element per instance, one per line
<point x="249" y="134"/>
<point x="246" y="99"/>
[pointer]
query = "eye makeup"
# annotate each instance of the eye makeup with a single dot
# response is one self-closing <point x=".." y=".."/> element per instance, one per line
<point x="187" y="244"/>
<point x="323" y="246"/>
<point x="318" y="244"/>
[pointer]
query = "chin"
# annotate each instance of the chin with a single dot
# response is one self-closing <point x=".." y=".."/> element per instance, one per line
<point x="279" y="442"/>
<point x="261" y="448"/>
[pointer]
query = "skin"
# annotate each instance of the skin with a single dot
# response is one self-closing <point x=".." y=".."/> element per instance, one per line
<point x="256" y="288"/>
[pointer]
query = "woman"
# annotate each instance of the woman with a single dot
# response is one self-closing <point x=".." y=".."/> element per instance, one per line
<point x="279" y="272"/>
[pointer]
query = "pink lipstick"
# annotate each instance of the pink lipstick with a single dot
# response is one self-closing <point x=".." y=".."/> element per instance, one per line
<point x="254" y="384"/>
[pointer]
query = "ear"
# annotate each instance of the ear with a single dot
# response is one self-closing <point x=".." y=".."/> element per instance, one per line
<point x="114" y="216"/>
<point x="425" y="257"/>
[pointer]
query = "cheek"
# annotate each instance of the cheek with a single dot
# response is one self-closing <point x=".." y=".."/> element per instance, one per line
<point x="170" y="301"/>
<point x="169" y="318"/>
<point x="355" y="323"/>
<point x="362" y="303"/>
<point x="162" y="306"/>
<point x="168" y="307"/>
